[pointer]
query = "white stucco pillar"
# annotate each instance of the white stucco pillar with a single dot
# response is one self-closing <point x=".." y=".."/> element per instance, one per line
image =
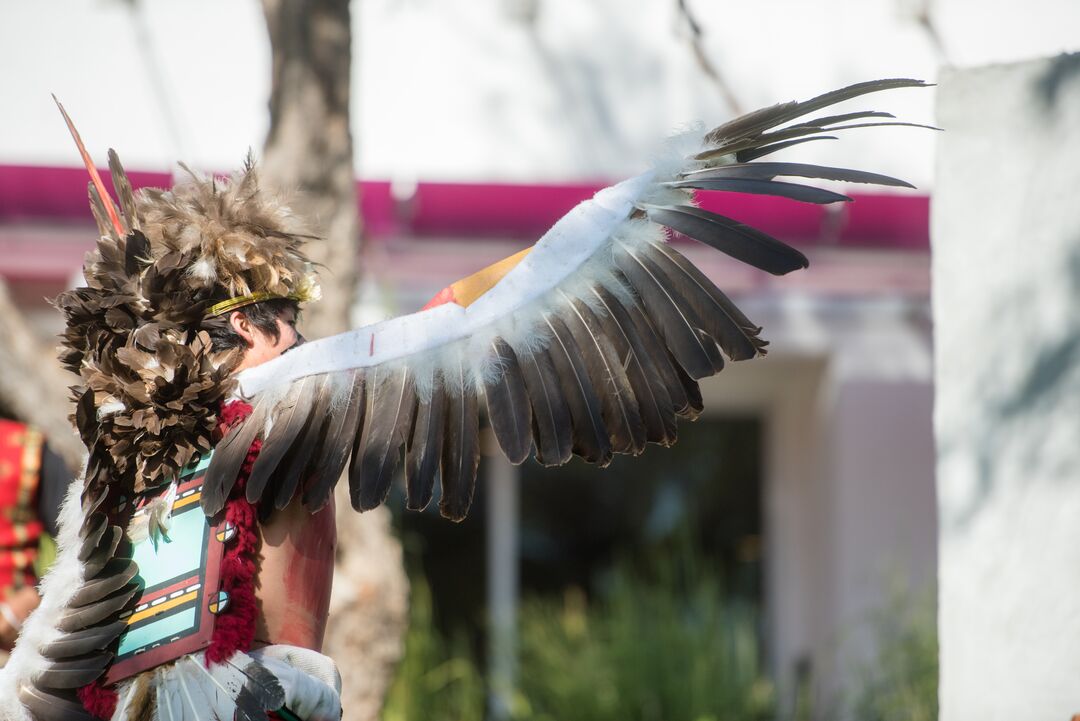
<point x="1006" y="278"/>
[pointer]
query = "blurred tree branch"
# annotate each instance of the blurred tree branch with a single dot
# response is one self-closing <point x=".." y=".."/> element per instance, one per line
<point x="706" y="65"/>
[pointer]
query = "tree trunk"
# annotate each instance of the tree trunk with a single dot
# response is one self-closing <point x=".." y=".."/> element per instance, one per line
<point x="309" y="153"/>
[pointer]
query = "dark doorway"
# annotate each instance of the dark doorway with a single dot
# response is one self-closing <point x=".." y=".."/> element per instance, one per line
<point x="578" y="522"/>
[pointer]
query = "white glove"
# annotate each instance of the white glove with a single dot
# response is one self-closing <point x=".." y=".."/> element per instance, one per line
<point x="310" y="680"/>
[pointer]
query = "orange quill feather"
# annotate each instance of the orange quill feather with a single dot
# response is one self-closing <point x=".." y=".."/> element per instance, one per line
<point x="110" y="208"/>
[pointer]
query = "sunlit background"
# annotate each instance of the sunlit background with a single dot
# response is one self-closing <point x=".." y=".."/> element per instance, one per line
<point x="780" y="561"/>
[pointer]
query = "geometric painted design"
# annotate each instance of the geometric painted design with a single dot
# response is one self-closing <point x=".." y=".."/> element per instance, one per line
<point x="180" y="578"/>
<point x="227" y="533"/>
<point x="219" y="602"/>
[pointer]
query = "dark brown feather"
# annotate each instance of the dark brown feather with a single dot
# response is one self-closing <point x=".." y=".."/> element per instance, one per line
<point x="828" y="120"/>
<point x="590" y="436"/>
<point x="116" y="574"/>
<point x="654" y="403"/>
<point x="618" y="403"/>
<point x="387" y="421"/>
<point x="76" y="619"/>
<point x="105" y="551"/>
<point x="765" y="118"/>
<point x="508" y="405"/>
<point x="74" y="673"/>
<point x="550" y="415"/>
<point x="672" y="319"/>
<point x="290" y="416"/>
<point x="101" y="215"/>
<point x="745" y="156"/>
<point x="423" y="453"/>
<point x="694" y="403"/>
<point x="301" y="461"/>
<point x="653" y="346"/>
<point x="122" y="186"/>
<point x="769" y="170"/>
<point x="83" y="642"/>
<point x="45" y="706"/>
<point x="461" y="448"/>
<point x="736" y="239"/>
<point x="91" y="531"/>
<point x="229" y="456"/>
<point x="336" y="445"/>
<point x="737" y="336"/>
<point x="753" y="186"/>
<point x="793" y="131"/>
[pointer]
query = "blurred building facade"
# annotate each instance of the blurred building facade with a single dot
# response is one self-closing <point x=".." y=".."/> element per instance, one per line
<point x="478" y="124"/>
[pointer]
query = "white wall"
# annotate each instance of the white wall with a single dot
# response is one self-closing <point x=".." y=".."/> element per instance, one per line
<point x="849" y="490"/>
<point x="1006" y="274"/>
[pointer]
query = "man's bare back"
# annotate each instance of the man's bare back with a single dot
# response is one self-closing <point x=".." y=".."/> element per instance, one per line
<point x="296" y="573"/>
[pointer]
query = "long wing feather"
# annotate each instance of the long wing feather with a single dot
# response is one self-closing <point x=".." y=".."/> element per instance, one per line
<point x="649" y="386"/>
<point x="550" y="414"/>
<point x="391" y="401"/>
<point x="752" y="186"/>
<point x="590" y="437"/>
<point x="619" y="405"/>
<point x="229" y="456"/>
<point x="461" y="449"/>
<point x="290" y="417"/>
<point x="50" y="707"/>
<point x="299" y="462"/>
<point x="768" y="171"/>
<point x="335" y="446"/>
<point x="677" y="324"/>
<point x="508" y="404"/>
<point x="729" y="236"/>
<point x="423" y="453"/>
<point x="732" y="330"/>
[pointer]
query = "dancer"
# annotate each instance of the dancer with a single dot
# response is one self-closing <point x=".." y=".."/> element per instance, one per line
<point x="196" y="557"/>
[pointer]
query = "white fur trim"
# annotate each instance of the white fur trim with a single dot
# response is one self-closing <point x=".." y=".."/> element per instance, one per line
<point x="63" y="579"/>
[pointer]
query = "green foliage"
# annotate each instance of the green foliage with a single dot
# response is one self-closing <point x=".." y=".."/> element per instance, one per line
<point x="662" y="643"/>
<point x="902" y="682"/>
<point x="649" y="651"/>
<point x="436" y="681"/>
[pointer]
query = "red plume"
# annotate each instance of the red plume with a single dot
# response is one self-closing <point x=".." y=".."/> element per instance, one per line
<point x="110" y="208"/>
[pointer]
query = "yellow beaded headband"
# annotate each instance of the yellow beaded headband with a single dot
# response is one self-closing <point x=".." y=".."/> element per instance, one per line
<point x="307" y="291"/>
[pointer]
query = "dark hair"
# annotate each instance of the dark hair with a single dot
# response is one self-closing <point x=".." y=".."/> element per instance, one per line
<point x="262" y="315"/>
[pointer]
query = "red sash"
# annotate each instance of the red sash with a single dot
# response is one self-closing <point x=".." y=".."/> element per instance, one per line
<point x="20" y="528"/>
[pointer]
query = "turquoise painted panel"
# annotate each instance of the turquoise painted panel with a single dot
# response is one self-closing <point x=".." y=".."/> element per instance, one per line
<point x="157" y="631"/>
<point x="178" y="558"/>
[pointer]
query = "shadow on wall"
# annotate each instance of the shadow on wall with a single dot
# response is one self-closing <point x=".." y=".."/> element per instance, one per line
<point x="1063" y="70"/>
<point x="1012" y="406"/>
<point x="1046" y="342"/>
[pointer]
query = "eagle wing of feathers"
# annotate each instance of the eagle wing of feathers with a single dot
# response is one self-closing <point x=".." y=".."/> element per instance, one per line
<point x="591" y="343"/>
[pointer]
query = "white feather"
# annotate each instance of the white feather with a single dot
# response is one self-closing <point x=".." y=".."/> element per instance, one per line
<point x="203" y="269"/>
<point x="126" y="692"/>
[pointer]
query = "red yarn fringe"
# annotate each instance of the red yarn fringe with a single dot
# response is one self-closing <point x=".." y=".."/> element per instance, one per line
<point x="234" y="630"/>
<point x="98" y="699"/>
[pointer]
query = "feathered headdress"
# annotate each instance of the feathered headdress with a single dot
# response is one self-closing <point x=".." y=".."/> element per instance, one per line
<point x="168" y="266"/>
